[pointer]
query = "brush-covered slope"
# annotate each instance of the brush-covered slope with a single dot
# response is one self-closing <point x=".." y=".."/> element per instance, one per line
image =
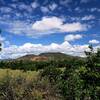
<point x="47" y="56"/>
<point x="56" y="55"/>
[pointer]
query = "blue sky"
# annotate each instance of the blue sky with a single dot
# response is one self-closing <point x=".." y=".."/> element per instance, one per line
<point x="36" y="26"/>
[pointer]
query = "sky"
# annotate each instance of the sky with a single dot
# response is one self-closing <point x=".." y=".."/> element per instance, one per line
<point x="37" y="26"/>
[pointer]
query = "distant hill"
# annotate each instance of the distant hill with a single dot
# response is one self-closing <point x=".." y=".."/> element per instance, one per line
<point x="33" y="57"/>
<point x="47" y="56"/>
<point x="56" y="55"/>
<point x="27" y="57"/>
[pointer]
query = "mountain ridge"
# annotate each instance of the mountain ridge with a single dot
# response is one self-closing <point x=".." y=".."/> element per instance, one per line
<point x="47" y="56"/>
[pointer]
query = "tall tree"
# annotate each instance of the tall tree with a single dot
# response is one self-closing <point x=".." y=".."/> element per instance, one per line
<point x="91" y="77"/>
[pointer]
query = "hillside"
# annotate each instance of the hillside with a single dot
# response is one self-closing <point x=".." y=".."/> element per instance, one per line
<point x="56" y="55"/>
<point x="33" y="57"/>
<point x="47" y="56"/>
<point x="27" y="57"/>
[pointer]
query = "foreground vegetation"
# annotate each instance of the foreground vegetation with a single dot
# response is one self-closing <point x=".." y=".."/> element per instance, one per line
<point x="19" y="85"/>
<point x="53" y="80"/>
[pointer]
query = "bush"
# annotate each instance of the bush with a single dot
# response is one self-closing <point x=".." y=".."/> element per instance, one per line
<point x="52" y="73"/>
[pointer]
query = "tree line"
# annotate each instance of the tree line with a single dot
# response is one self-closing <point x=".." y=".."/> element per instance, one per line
<point x="36" y="65"/>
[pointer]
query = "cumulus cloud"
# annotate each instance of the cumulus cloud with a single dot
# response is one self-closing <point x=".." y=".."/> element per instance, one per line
<point x="47" y="24"/>
<point x="57" y="24"/>
<point x="72" y="37"/>
<point x="44" y="26"/>
<point x="14" y="51"/>
<point x="73" y="27"/>
<point x="94" y="41"/>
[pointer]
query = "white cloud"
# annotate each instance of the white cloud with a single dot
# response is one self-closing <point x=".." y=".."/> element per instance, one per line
<point x="18" y="27"/>
<point x="84" y="18"/>
<point x="34" y="5"/>
<point x="23" y="6"/>
<point x="14" y="51"/>
<point x="73" y="27"/>
<point x="78" y="9"/>
<point x="94" y="41"/>
<point x="44" y="9"/>
<point x="72" y="37"/>
<point x="89" y="17"/>
<point x="52" y="6"/>
<point x="44" y="26"/>
<point x="5" y="9"/>
<point x="94" y="9"/>
<point x="28" y="48"/>
<point x="47" y="24"/>
<point x="56" y="24"/>
<point x="14" y="7"/>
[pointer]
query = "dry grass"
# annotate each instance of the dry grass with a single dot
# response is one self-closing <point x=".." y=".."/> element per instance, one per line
<point x="19" y="85"/>
<point x="29" y="75"/>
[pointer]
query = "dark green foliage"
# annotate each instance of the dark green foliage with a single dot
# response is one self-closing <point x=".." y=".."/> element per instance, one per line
<point x="71" y="84"/>
<point x="36" y="65"/>
<point x="78" y="82"/>
<point x="52" y="73"/>
<point x="91" y="76"/>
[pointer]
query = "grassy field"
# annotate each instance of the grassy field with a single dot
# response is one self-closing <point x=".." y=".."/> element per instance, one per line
<point x="20" y="85"/>
<point x="29" y="75"/>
